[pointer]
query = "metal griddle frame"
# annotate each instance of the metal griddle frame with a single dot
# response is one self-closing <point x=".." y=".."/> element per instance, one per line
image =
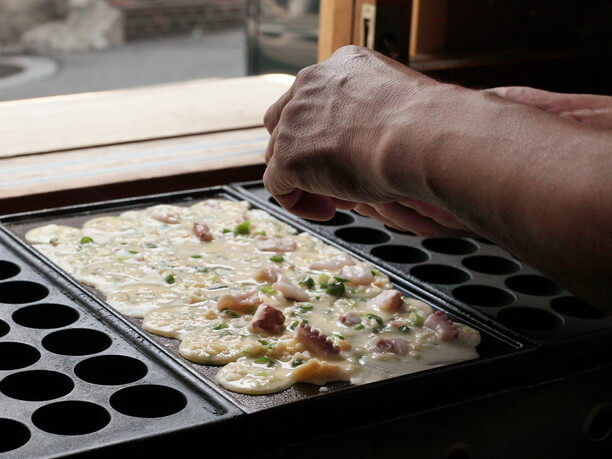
<point x="507" y="361"/>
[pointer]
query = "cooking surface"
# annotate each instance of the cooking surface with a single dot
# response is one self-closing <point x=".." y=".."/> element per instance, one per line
<point x="490" y="347"/>
<point x="475" y="274"/>
<point x="69" y="369"/>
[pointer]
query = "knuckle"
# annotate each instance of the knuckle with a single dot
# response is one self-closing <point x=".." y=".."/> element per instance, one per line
<point x="306" y="74"/>
<point x="350" y="49"/>
<point x="269" y="118"/>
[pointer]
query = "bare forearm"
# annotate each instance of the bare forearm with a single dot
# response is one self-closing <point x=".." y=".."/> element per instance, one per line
<point x="537" y="184"/>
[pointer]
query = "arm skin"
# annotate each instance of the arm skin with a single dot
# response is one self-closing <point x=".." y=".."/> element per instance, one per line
<point x="362" y="130"/>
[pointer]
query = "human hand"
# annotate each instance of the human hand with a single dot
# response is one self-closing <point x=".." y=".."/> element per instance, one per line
<point x="332" y="134"/>
<point x="592" y="110"/>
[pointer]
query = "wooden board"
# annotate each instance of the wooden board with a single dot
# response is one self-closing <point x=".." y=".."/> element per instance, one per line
<point x="86" y="168"/>
<point x="104" y="118"/>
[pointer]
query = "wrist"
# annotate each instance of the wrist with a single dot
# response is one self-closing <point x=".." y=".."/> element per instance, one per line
<point x="413" y="145"/>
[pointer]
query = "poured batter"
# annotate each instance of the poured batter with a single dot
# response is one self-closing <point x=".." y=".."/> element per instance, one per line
<point x="241" y="289"/>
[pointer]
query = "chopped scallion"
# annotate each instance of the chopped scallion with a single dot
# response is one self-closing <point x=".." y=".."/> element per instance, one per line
<point x="335" y="289"/>
<point x="296" y="362"/>
<point x="221" y="326"/>
<point x="267" y="290"/>
<point x="170" y="279"/>
<point x="308" y="283"/>
<point x="243" y="228"/>
<point x="305" y="307"/>
<point x="277" y="258"/>
<point x="265" y="360"/>
<point x="86" y="240"/>
<point x="230" y="313"/>
<point x="376" y="318"/>
<point x="416" y="319"/>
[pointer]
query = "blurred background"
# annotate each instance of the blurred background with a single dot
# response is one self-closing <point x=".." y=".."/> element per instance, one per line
<point x="51" y="47"/>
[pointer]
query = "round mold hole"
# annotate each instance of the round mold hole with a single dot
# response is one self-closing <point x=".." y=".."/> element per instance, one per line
<point x="36" y="385"/>
<point x="8" y="269"/>
<point x="489" y="264"/>
<point x="532" y="284"/>
<point x="393" y="230"/>
<point x="400" y="254"/>
<point x="339" y="219"/>
<point x="14" y="435"/>
<point x="110" y="370"/>
<point x="71" y="418"/>
<point x="18" y="292"/>
<point x="459" y="451"/>
<point x="76" y="341"/>
<point x="598" y="424"/>
<point x="46" y="315"/>
<point x="573" y="307"/>
<point x="529" y="319"/>
<point x="361" y="235"/>
<point x="148" y="401"/>
<point x="483" y="295"/>
<point x="450" y="245"/>
<point x="17" y="355"/>
<point x="4" y="328"/>
<point x="440" y="274"/>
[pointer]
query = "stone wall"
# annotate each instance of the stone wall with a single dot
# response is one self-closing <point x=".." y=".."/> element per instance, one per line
<point x="19" y="16"/>
<point x="65" y="26"/>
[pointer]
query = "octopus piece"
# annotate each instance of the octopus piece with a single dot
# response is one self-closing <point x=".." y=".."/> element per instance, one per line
<point x="317" y="343"/>
<point x="202" y="231"/>
<point x="290" y="290"/>
<point x="357" y="274"/>
<point x="239" y="301"/>
<point x="333" y="264"/>
<point x="442" y="325"/>
<point x="268" y="319"/>
<point x="270" y="274"/>
<point x="166" y="216"/>
<point x="389" y="301"/>
<point x="397" y="346"/>
<point x="276" y="245"/>
<point x="350" y="318"/>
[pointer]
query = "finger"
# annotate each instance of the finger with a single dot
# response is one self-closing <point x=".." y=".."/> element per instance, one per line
<point x="276" y="180"/>
<point x="273" y="113"/>
<point x="371" y="212"/>
<point x="435" y="213"/>
<point x="411" y="220"/>
<point x="307" y="205"/>
<point x="270" y="147"/>
<point x="313" y="206"/>
<point x="298" y="202"/>
<point x="344" y="205"/>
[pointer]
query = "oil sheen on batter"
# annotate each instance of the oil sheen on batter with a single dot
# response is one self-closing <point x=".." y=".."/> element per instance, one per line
<point x="241" y="289"/>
